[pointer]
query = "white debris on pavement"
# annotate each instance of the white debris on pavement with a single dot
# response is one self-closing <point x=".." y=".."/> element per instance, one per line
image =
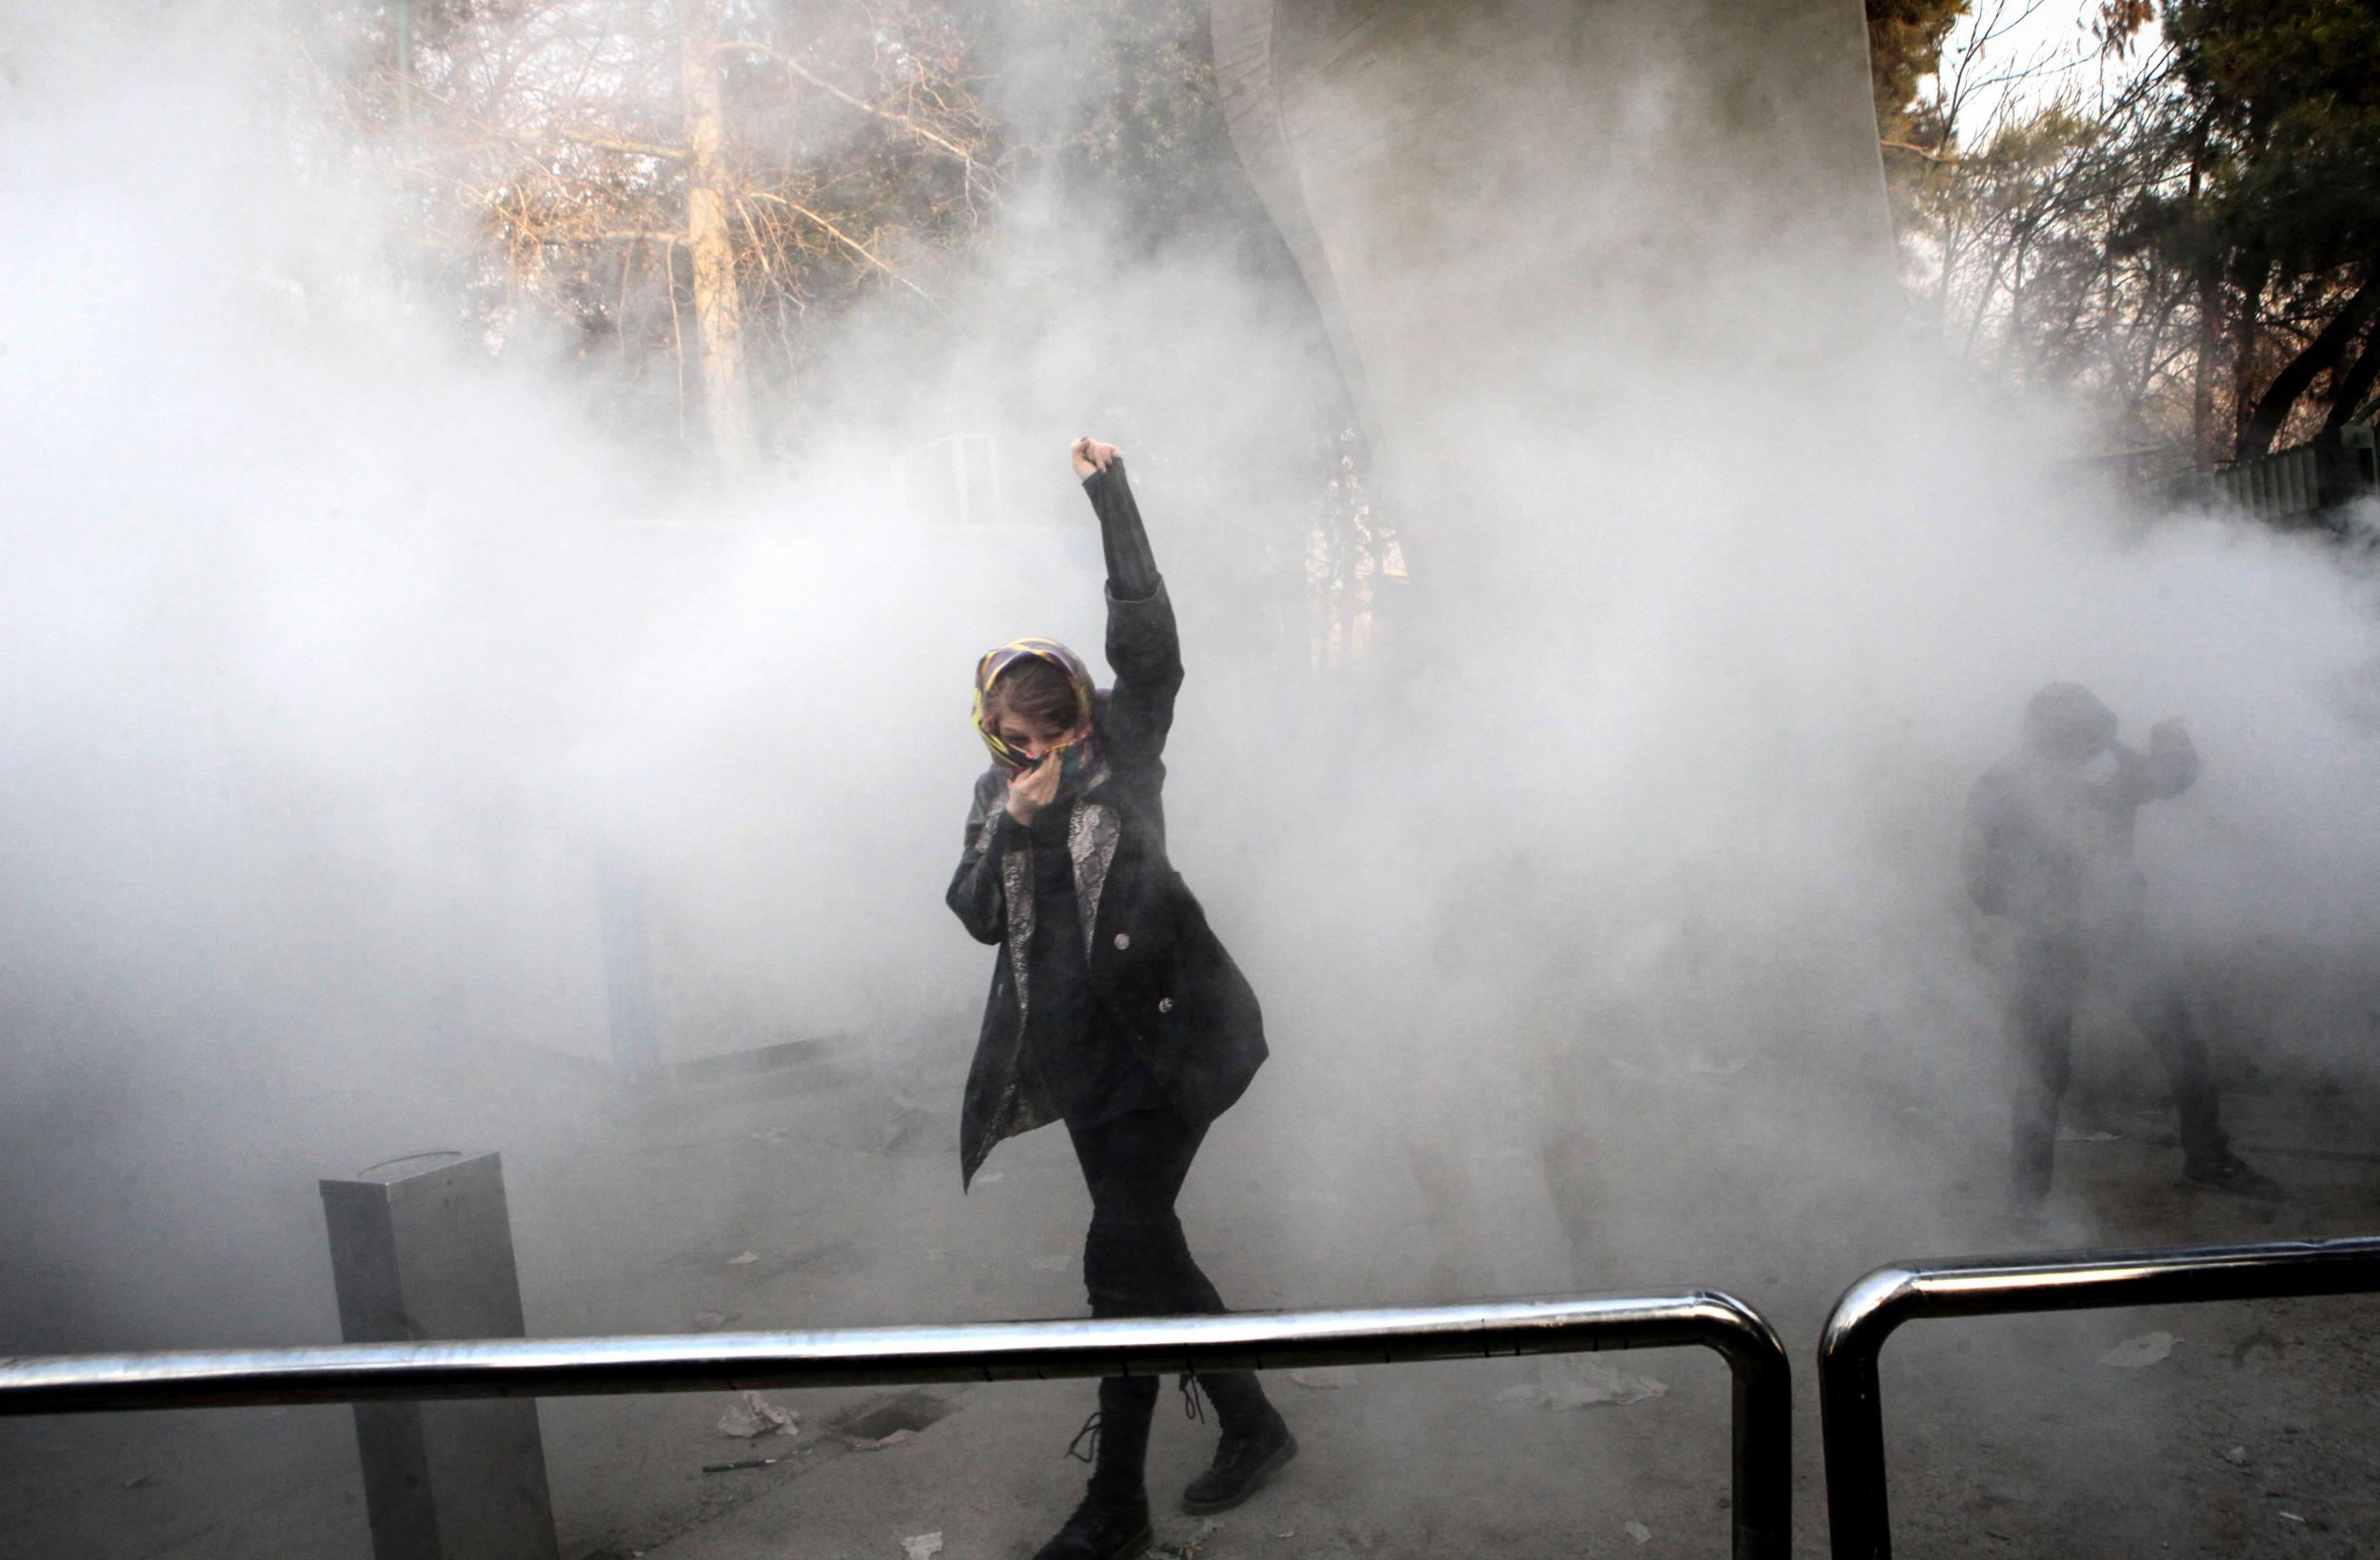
<point x="1193" y="1547"/>
<point x="2133" y="1354"/>
<point x="1583" y="1383"/>
<point x="1638" y="1531"/>
<point x="923" y="1546"/>
<point x="753" y="1414"/>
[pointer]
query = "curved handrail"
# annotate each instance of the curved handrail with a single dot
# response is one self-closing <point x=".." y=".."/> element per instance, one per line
<point x="1762" y="1422"/>
<point x="1851" y="1409"/>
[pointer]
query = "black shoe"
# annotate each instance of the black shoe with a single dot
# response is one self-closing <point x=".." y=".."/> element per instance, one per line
<point x="1241" y="1463"/>
<point x="1105" y="1526"/>
<point x="2229" y="1172"/>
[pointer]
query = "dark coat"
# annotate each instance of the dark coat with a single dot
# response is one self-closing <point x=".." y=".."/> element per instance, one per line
<point x="1159" y="978"/>
<point x="2050" y="845"/>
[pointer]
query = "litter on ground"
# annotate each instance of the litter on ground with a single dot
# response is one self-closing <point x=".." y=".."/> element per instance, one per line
<point x="923" y="1546"/>
<point x="2133" y="1354"/>
<point x="1188" y="1548"/>
<point x="1583" y="1383"/>
<point x="739" y="1467"/>
<point x="752" y="1415"/>
<point x="1638" y="1531"/>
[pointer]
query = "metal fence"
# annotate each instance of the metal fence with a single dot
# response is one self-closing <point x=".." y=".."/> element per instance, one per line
<point x="1850" y="1398"/>
<point x="1762" y="1425"/>
<point x="1850" y="1403"/>
<point x="2308" y="483"/>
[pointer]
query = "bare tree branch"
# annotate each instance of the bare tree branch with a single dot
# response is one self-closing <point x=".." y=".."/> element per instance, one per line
<point x="1928" y="153"/>
<point x="797" y="67"/>
<point x="847" y="240"/>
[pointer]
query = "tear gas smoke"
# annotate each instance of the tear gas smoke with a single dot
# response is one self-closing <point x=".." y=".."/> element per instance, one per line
<point x="340" y="661"/>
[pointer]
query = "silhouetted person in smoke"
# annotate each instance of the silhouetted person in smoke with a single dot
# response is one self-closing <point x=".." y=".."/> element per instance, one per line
<point x="2050" y="847"/>
<point x="1113" y="1008"/>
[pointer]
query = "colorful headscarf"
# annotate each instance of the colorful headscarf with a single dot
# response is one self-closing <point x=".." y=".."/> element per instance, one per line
<point x="988" y="672"/>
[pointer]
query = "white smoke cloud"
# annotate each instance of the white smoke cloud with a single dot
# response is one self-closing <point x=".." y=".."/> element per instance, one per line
<point x="337" y="663"/>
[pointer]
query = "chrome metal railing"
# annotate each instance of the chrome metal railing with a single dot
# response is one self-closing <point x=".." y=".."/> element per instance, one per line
<point x="1762" y="1422"/>
<point x="1849" y="1402"/>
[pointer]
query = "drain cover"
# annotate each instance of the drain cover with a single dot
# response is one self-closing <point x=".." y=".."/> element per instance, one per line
<point x="912" y="1412"/>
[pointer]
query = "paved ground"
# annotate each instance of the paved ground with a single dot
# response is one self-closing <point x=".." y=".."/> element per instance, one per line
<point x="2253" y="1438"/>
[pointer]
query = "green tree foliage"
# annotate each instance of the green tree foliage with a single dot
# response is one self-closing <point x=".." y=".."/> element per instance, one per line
<point x="2190" y="243"/>
<point x="2290" y="89"/>
<point x="1142" y="130"/>
<point x="1904" y="47"/>
<point x="2284" y="99"/>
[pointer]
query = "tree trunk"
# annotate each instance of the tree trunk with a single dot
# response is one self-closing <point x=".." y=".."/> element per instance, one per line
<point x="2202" y="392"/>
<point x="2322" y="353"/>
<point x="2210" y="310"/>
<point x="710" y="243"/>
<point x="2244" y="337"/>
<point x="2352" y="389"/>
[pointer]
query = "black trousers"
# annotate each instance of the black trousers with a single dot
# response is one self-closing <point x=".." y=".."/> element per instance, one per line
<point x="1135" y="1262"/>
<point x="2052" y="971"/>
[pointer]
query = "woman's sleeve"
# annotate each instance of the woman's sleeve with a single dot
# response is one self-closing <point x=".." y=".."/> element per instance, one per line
<point x="976" y="896"/>
<point x="1131" y="568"/>
<point x="1142" y="645"/>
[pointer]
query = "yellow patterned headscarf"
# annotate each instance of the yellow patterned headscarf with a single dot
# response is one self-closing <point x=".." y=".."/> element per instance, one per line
<point x="987" y="671"/>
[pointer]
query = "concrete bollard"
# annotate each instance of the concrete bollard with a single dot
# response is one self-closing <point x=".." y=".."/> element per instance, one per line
<point x="421" y="1248"/>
